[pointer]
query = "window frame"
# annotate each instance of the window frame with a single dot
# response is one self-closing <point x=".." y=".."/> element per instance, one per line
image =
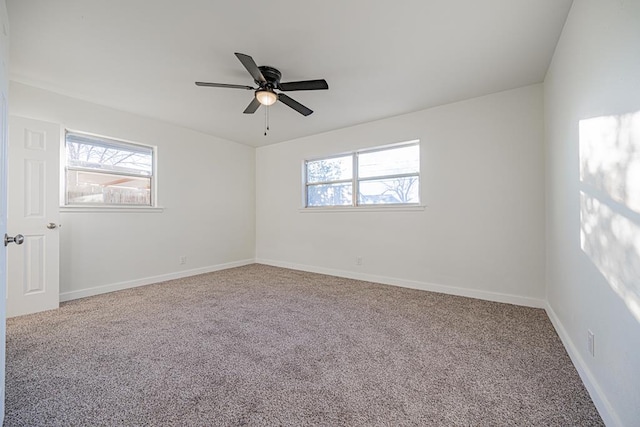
<point x="105" y="207"/>
<point x="355" y="180"/>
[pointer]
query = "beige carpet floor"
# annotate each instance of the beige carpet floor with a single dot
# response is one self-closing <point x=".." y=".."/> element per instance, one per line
<point x="265" y="346"/>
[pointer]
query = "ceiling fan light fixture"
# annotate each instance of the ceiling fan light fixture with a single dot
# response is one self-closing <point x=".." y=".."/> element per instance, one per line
<point x="266" y="97"/>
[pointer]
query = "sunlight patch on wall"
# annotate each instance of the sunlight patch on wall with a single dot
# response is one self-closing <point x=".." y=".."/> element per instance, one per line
<point x="610" y="202"/>
<point x="612" y="242"/>
<point x="610" y="157"/>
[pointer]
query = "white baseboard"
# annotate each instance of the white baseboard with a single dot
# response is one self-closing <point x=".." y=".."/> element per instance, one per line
<point x="600" y="400"/>
<point x="432" y="287"/>
<point x="68" y="296"/>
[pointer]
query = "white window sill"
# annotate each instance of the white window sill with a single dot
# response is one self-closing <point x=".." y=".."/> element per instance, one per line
<point x="392" y="208"/>
<point x="136" y="209"/>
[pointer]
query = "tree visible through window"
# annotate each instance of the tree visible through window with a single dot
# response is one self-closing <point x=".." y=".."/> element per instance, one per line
<point x="329" y="182"/>
<point x="389" y="175"/>
<point x="104" y="171"/>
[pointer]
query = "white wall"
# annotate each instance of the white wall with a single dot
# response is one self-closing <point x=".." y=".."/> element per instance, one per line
<point x="205" y="185"/>
<point x="593" y="218"/>
<point x="482" y="232"/>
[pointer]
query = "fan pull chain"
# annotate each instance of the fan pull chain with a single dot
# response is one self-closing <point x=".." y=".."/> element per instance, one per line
<point x="266" y="119"/>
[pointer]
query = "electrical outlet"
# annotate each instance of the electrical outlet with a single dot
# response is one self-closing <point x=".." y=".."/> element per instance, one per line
<point x="591" y="343"/>
<point x="182" y="260"/>
<point x="359" y="260"/>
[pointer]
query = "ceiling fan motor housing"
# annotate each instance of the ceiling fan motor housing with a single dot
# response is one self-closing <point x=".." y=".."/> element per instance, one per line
<point x="271" y="75"/>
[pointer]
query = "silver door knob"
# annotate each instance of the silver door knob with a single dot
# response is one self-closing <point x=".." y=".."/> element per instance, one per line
<point x="18" y="239"/>
<point x="51" y="226"/>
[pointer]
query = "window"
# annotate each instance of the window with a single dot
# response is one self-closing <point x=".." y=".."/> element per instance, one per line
<point x="379" y="176"/>
<point x="103" y="171"/>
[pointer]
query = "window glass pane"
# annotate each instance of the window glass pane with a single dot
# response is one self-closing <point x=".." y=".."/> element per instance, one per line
<point x="394" y="161"/>
<point x="103" y="188"/>
<point x="390" y="190"/>
<point x="333" y="169"/>
<point x="329" y="194"/>
<point x="106" y="154"/>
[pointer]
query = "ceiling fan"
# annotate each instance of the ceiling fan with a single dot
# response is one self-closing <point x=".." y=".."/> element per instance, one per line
<point x="268" y="81"/>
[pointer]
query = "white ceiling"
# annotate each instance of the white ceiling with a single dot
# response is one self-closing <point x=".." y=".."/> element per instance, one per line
<point x="381" y="58"/>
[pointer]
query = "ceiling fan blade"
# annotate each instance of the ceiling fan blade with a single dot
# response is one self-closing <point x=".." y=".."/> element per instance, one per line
<point x="251" y="67"/>
<point x="252" y="107"/>
<point x="294" y="104"/>
<point x="224" y="85"/>
<point x="304" y="85"/>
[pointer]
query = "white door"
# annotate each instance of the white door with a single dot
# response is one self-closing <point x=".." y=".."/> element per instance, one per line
<point x="33" y="211"/>
<point x="3" y="230"/>
<point x="4" y="83"/>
